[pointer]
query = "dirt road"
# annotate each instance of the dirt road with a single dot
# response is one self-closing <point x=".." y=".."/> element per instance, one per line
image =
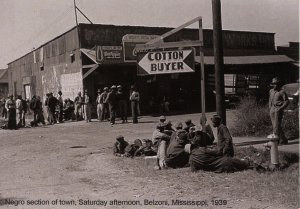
<point x="52" y="167"/>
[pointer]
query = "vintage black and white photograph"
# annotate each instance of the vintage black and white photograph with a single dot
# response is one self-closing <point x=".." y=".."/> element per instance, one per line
<point x="149" y="104"/>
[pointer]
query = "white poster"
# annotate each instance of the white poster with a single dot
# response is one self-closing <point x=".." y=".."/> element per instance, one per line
<point x="71" y="84"/>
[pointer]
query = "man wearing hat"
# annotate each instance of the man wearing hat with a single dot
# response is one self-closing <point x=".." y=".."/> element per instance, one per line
<point x="104" y="105"/>
<point x="162" y="119"/>
<point x="278" y="101"/>
<point x="98" y="104"/>
<point x="134" y="99"/>
<point x="176" y="155"/>
<point x="87" y="107"/>
<point x="160" y="142"/>
<point x="122" y="100"/>
<point x="188" y="124"/>
<point x="78" y="101"/>
<point x="112" y="103"/>
<point x="119" y="146"/>
<point x="224" y="144"/>
<point x="60" y="105"/>
<point x="52" y="102"/>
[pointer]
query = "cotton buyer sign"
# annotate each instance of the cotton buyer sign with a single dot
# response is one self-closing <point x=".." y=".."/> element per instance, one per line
<point x="163" y="62"/>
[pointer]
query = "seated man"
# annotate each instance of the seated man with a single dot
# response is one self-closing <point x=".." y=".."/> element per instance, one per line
<point x="202" y="158"/>
<point x="162" y="119"/>
<point x="198" y="134"/>
<point x="224" y="144"/>
<point x="68" y="109"/>
<point x="208" y="130"/>
<point x="188" y="124"/>
<point x="168" y="128"/>
<point x="130" y="149"/>
<point x="160" y="141"/>
<point x="145" y="149"/>
<point x="159" y="134"/>
<point x="119" y="146"/>
<point x="176" y="155"/>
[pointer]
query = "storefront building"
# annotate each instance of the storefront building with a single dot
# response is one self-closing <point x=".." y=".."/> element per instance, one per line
<point x="93" y="56"/>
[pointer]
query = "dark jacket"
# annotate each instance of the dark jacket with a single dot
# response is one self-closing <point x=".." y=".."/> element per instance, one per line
<point x="112" y="98"/>
<point x="176" y="156"/>
<point x="52" y="102"/>
<point x="202" y="158"/>
<point x="224" y="144"/>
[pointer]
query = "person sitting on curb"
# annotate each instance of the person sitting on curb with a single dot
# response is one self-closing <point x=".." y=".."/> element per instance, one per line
<point x="176" y="155"/>
<point x="208" y="130"/>
<point x="146" y="149"/>
<point x="162" y="119"/>
<point x="160" y="141"/>
<point x="224" y="144"/>
<point x="188" y="124"/>
<point x="202" y="158"/>
<point x="119" y="146"/>
<point x="130" y="149"/>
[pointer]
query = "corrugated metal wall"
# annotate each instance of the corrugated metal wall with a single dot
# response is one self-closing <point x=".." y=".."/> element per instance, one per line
<point x="43" y="67"/>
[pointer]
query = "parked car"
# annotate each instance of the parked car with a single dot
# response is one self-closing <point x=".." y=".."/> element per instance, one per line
<point x="292" y="91"/>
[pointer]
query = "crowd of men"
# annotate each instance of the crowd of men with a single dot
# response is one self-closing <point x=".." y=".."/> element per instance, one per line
<point x="178" y="146"/>
<point x="109" y="102"/>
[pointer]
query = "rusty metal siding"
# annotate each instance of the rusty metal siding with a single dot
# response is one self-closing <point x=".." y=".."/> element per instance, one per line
<point x="72" y="41"/>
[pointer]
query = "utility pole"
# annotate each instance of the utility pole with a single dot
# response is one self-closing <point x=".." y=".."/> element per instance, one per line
<point x="75" y="9"/>
<point x="76" y="20"/>
<point x="219" y="60"/>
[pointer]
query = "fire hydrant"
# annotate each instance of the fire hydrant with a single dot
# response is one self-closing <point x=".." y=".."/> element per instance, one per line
<point x="273" y="145"/>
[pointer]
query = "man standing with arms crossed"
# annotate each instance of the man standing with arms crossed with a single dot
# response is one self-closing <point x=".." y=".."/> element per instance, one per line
<point x="112" y="102"/>
<point x="278" y="101"/>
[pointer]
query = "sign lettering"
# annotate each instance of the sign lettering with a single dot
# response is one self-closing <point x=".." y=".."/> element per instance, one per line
<point x="162" y="62"/>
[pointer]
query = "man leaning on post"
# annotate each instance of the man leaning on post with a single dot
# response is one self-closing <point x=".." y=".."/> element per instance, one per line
<point x="278" y="101"/>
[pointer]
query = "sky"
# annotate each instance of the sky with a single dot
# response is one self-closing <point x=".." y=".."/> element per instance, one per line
<point x="26" y="24"/>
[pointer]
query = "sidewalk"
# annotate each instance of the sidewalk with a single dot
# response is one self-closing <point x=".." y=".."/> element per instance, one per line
<point x="292" y="147"/>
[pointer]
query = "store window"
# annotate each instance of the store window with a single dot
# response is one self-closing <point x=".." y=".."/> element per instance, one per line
<point x="230" y="83"/>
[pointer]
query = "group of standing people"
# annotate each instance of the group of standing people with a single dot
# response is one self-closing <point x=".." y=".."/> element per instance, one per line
<point x="114" y="100"/>
<point x="15" y="111"/>
<point x="108" y="103"/>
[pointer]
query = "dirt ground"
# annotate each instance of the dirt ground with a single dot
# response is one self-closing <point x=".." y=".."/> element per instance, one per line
<point x="54" y="164"/>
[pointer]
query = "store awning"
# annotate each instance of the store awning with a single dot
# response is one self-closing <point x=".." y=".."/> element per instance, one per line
<point x="247" y="60"/>
<point x="3" y="76"/>
<point x="232" y="60"/>
<point x="90" y="53"/>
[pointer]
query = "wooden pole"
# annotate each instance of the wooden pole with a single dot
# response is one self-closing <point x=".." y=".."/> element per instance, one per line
<point x="202" y="75"/>
<point x="219" y="60"/>
<point x="75" y="10"/>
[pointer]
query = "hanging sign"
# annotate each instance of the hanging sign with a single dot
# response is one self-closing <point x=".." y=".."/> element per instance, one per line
<point x="164" y="62"/>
